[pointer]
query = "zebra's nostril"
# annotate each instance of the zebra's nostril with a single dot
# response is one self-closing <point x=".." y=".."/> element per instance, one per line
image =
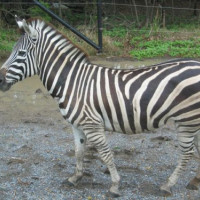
<point x="1" y="78"/>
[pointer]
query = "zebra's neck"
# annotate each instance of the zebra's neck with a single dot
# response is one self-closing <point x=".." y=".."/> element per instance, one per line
<point x="58" y="60"/>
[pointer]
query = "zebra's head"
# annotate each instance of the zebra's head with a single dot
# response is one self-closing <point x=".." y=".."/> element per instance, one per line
<point x="21" y="62"/>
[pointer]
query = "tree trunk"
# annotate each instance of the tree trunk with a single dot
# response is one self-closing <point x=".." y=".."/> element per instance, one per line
<point x="152" y="10"/>
<point x="60" y="9"/>
<point x="195" y="7"/>
<point x="163" y="13"/>
<point x="147" y="14"/>
<point x="136" y="13"/>
<point x="173" y="10"/>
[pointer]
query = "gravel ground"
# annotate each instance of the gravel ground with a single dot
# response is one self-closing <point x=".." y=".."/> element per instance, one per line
<point x="37" y="158"/>
<point x="37" y="155"/>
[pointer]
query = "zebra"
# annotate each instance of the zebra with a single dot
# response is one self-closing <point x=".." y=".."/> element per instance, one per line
<point x="96" y="99"/>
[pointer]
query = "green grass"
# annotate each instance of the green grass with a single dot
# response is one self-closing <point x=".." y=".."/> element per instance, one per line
<point x="117" y="32"/>
<point x="158" y="48"/>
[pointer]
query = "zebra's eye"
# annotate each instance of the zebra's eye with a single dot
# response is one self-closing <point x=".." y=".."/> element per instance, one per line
<point x="22" y="53"/>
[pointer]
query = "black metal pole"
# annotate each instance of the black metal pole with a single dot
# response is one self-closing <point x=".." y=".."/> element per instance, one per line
<point x="100" y="28"/>
<point x="67" y="25"/>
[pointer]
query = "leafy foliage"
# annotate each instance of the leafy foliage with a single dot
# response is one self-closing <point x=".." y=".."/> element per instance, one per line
<point x="117" y="32"/>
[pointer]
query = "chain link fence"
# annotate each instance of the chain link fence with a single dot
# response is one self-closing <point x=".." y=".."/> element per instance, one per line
<point x="133" y="13"/>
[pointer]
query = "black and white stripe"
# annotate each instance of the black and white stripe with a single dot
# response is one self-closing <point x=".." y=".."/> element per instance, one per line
<point x="95" y="99"/>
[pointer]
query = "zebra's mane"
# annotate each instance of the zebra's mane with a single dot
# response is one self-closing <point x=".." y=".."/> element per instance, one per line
<point x="38" y="22"/>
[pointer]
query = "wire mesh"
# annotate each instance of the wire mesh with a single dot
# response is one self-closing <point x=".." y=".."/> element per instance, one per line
<point x="127" y="13"/>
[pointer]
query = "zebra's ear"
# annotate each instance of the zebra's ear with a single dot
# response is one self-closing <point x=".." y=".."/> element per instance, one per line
<point x="27" y="28"/>
<point x="19" y="22"/>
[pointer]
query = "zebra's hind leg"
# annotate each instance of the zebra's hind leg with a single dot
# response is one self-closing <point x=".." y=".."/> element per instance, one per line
<point x="96" y="137"/>
<point x="195" y="182"/>
<point x="186" y="144"/>
<point x="80" y="140"/>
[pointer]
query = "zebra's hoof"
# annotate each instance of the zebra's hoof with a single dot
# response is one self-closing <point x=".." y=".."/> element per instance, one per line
<point x="165" y="191"/>
<point x="191" y="187"/>
<point x="114" y="191"/>
<point x="68" y="183"/>
<point x="113" y="194"/>
<point x="193" y="184"/>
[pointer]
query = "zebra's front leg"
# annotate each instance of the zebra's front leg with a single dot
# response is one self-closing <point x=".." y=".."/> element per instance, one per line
<point x="195" y="182"/>
<point x="80" y="141"/>
<point x="186" y="144"/>
<point x="98" y="140"/>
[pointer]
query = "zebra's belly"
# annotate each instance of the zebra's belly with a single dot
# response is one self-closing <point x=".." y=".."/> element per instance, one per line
<point x="127" y="128"/>
<point x="184" y="121"/>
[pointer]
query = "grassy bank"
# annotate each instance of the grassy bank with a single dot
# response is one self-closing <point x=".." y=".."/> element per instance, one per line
<point x="182" y="41"/>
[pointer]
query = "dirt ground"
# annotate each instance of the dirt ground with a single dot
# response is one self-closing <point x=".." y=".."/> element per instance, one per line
<point x="37" y="154"/>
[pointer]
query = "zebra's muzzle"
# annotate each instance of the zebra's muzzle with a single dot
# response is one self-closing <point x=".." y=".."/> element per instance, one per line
<point x="4" y="86"/>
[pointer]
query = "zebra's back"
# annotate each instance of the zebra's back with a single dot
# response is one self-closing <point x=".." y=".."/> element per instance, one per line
<point x="132" y="101"/>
